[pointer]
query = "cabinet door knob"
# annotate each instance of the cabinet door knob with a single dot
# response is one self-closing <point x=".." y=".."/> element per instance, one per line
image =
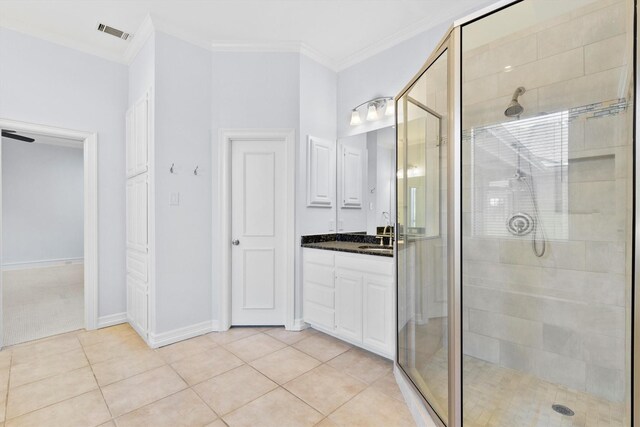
<point x="235" y="242"/>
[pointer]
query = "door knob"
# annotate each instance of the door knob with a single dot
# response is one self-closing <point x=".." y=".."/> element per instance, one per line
<point x="235" y="242"/>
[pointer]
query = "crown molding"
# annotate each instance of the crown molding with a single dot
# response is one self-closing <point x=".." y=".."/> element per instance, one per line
<point x="140" y="37"/>
<point x="273" y="47"/>
<point x="386" y="43"/>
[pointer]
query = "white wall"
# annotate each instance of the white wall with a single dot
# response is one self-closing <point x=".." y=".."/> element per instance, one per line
<point x="45" y="83"/>
<point x="318" y="86"/>
<point x="182" y="136"/>
<point x="142" y="70"/>
<point x="42" y="202"/>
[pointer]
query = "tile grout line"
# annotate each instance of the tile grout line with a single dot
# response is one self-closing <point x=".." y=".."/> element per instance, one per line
<point x="6" y="397"/>
<point x="97" y="383"/>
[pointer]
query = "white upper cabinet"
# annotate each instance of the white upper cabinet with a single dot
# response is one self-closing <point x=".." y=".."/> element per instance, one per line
<point x="320" y="172"/>
<point x="351" y="177"/>
<point x="137" y="122"/>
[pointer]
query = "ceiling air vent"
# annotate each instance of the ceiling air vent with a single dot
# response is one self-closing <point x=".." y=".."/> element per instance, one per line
<point x="113" y="31"/>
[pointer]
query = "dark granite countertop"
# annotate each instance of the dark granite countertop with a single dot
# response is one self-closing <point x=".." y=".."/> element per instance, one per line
<point x="347" y="243"/>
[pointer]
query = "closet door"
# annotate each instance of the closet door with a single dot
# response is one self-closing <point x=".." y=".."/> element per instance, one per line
<point x="130" y="141"/>
<point x="141" y="162"/>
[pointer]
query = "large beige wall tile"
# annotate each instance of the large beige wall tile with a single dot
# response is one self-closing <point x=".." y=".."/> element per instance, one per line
<point x="506" y="328"/>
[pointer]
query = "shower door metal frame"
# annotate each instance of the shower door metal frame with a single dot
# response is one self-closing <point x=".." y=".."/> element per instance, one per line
<point x="452" y="42"/>
<point x="447" y="43"/>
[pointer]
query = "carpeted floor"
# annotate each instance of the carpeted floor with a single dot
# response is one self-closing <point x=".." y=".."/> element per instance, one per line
<point x="39" y="302"/>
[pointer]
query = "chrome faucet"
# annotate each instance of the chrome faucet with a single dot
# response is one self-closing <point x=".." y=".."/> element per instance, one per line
<point x="390" y="235"/>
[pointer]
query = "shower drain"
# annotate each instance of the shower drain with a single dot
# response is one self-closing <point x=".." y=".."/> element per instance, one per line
<point x="561" y="409"/>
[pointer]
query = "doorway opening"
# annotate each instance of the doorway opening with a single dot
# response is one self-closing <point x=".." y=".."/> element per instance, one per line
<point x="48" y="281"/>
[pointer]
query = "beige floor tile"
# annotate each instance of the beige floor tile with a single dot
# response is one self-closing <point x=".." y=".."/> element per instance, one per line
<point x="275" y="409"/>
<point x="290" y="337"/>
<point x="112" y="334"/>
<point x="322" y="347"/>
<point x="88" y="409"/>
<point x="48" y="366"/>
<point x="325" y="388"/>
<point x="285" y="365"/>
<point x="106" y="350"/>
<point x="28" y="352"/>
<point x="233" y="334"/>
<point x="113" y="370"/>
<point x="135" y="392"/>
<point x="36" y="395"/>
<point x="233" y="389"/>
<point x="183" y="409"/>
<point x="362" y="364"/>
<point x="183" y="349"/>
<point x="372" y="409"/>
<point x="5" y="358"/>
<point x="388" y="385"/>
<point x="108" y="424"/>
<point x="326" y="423"/>
<point x="217" y="423"/>
<point x="254" y="347"/>
<point x="203" y="366"/>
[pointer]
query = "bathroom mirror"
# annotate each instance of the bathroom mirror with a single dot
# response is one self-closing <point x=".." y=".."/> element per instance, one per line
<point x="365" y="182"/>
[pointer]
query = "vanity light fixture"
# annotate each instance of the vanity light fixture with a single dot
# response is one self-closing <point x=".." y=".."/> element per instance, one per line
<point x="372" y="113"/>
<point x="373" y="106"/>
<point x="355" y="118"/>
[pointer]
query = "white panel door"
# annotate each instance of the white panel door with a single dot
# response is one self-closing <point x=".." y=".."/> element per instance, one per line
<point x="352" y="177"/>
<point x="258" y="264"/>
<point x="349" y="304"/>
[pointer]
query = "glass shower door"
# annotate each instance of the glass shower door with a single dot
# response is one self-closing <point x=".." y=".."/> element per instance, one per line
<point x="422" y="235"/>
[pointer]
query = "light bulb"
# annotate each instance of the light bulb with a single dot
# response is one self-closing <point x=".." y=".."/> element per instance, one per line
<point x="355" y="118"/>
<point x="372" y="112"/>
<point x="391" y="108"/>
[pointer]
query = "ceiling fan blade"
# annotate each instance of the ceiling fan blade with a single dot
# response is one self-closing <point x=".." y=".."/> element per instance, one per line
<point x="10" y="134"/>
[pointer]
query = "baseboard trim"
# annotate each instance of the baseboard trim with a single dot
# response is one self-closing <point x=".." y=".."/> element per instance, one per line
<point x="40" y="264"/>
<point x="112" y="320"/>
<point x="181" y="334"/>
<point x="299" y="325"/>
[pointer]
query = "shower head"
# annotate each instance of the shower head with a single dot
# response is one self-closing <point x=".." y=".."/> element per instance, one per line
<point x="514" y="108"/>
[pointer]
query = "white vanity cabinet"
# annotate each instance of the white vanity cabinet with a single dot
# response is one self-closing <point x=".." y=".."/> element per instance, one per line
<point x="351" y="297"/>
